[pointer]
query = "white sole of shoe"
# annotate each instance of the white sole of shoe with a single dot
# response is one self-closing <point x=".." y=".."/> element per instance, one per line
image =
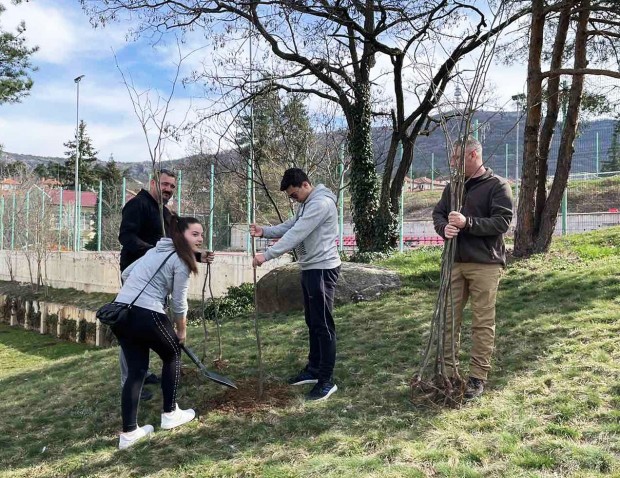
<point x="125" y="445"/>
<point x="334" y="388"/>
<point x="187" y="420"/>
<point x="305" y="382"/>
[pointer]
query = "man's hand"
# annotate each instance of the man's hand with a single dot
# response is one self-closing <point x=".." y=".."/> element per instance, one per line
<point x="181" y="334"/>
<point x="207" y="257"/>
<point x="451" y="231"/>
<point x="455" y="218"/>
<point x="256" y="231"/>
<point x="259" y="260"/>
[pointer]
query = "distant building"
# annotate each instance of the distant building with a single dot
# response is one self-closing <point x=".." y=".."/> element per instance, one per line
<point x="423" y="184"/>
<point x="9" y="184"/>
<point x="48" y="183"/>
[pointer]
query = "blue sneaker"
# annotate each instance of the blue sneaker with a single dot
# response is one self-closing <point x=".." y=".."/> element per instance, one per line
<point x="302" y="378"/>
<point x="321" y="391"/>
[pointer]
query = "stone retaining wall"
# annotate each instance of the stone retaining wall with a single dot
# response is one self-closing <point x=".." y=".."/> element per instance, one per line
<point x="66" y="322"/>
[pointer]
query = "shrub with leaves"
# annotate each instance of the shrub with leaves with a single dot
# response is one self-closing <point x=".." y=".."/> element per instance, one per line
<point x="51" y="323"/>
<point x="86" y="332"/>
<point x="369" y="257"/>
<point x="68" y="329"/>
<point x="239" y="300"/>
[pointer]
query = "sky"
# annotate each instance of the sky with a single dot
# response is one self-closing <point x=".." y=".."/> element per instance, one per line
<point x="70" y="47"/>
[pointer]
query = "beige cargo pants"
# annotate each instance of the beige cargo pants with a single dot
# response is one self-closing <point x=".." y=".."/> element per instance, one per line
<point x="476" y="283"/>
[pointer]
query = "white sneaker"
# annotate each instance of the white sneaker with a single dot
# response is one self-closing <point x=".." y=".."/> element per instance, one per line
<point x="129" y="438"/>
<point x="176" y="418"/>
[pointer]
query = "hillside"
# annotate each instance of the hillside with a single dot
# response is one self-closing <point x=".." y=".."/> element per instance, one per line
<point x="550" y="408"/>
<point x="497" y="131"/>
<point x="138" y="171"/>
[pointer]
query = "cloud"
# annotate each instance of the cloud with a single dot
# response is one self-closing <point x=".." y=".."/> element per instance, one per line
<point x="70" y="47"/>
<point x="62" y="34"/>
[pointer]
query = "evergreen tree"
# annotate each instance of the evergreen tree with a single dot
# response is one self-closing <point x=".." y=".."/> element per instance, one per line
<point x="111" y="178"/>
<point x="282" y="130"/>
<point x="50" y="170"/>
<point x="87" y="159"/>
<point x="15" y="169"/>
<point x="15" y="65"/>
<point x="282" y="139"/>
<point x="613" y="153"/>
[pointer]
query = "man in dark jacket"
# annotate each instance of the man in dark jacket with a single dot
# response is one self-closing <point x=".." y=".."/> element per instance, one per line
<point x="480" y="256"/>
<point x="141" y="224"/>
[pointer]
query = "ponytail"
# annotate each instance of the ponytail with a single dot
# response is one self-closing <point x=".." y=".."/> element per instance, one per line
<point x="176" y="227"/>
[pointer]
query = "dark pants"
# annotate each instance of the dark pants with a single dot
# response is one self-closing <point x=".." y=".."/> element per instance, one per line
<point x="146" y="330"/>
<point x="319" y="286"/>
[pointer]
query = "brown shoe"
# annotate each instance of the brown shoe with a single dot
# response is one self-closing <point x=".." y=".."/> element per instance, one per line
<point x="474" y="388"/>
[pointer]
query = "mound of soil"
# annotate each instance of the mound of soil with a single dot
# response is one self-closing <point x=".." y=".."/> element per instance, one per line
<point x="245" y="398"/>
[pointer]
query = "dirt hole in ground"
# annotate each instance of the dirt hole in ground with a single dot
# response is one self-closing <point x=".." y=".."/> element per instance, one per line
<point x="245" y="398"/>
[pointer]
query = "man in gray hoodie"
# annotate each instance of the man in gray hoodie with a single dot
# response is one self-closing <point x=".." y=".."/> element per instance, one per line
<point x="312" y="232"/>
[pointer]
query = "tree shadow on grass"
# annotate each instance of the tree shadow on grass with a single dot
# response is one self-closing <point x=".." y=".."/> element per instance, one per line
<point x="537" y="311"/>
<point x="34" y="343"/>
<point x="72" y="407"/>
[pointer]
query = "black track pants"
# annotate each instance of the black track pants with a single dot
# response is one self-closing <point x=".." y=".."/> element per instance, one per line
<point x="319" y="287"/>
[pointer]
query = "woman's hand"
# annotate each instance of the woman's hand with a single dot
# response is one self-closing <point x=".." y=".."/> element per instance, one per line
<point x="207" y="257"/>
<point x="181" y="327"/>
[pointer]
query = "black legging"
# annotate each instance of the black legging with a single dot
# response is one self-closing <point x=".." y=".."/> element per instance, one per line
<point x="146" y="330"/>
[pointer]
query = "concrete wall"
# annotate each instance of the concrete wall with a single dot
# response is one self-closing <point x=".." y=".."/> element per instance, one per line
<point x="66" y="325"/>
<point x="99" y="271"/>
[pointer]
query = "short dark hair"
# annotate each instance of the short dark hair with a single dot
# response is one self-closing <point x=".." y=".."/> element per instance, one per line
<point x="167" y="172"/>
<point x="293" y="177"/>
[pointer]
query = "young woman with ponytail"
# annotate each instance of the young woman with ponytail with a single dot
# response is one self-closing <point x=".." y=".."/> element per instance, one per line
<point x="148" y="327"/>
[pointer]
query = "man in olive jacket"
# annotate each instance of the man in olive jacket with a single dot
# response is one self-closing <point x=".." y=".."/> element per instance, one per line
<point x="480" y="256"/>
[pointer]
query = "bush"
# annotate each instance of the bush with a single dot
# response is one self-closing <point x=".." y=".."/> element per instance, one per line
<point x="86" y="331"/>
<point x="237" y="301"/>
<point x="68" y="329"/>
<point x="33" y="319"/>
<point x="369" y="257"/>
<point x="51" y="322"/>
<point x="6" y="309"/>
<point x="21" y="313"/>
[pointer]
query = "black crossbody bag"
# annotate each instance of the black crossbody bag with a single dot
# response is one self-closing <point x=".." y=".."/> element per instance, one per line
<point x="115" y="313"/>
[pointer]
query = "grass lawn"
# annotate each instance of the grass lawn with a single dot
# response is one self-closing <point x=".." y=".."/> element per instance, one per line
<point x="552" y="407"/>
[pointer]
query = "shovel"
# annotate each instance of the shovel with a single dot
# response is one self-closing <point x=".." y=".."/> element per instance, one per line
<point x="216" y="377"/>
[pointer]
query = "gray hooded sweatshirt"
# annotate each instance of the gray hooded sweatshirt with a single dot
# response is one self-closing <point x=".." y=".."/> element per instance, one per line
<point x="312" y="232"/>
<point x="172" y="279"/>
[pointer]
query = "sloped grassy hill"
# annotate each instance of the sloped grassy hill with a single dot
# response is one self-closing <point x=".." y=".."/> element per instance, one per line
<point x="551" y="409"/>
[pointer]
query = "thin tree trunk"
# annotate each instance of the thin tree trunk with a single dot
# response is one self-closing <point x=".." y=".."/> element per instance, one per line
<point x="551" y="118"/>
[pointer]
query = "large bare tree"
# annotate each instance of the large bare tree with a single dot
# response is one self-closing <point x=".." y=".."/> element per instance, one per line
<point x="339" y="51"/>
<point x="579" y="33"/>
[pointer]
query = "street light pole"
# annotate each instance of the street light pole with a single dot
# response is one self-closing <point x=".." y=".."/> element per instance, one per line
<point x="76" y="238"/>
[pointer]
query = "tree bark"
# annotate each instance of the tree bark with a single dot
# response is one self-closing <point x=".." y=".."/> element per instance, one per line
<point x="524" y="235"/>
<point x="569" y="132"/>
<point x="363" y="175"/>
<point x="551" y="118"/>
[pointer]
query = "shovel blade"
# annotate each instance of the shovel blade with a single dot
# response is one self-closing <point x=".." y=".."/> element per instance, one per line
<point x="215" y="377"/>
